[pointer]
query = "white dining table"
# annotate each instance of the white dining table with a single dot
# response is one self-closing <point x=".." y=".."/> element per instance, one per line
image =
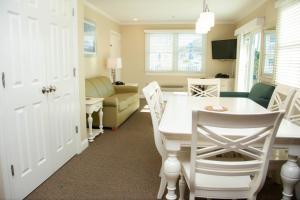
<point x="176" y="129"/>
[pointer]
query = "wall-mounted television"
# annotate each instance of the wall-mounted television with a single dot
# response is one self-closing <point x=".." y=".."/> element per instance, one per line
<point x="224" y="49"/>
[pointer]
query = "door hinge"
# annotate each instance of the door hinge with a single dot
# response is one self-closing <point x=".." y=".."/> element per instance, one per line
<point x="73" y="12"/>
<point x="12" y="169"/>
<point x="74" y="72"/>
<point x="3" y="79"/>
<point x="76" y="129"/>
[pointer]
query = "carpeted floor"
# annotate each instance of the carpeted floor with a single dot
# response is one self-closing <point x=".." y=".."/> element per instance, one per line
<point x="123" y="164"/>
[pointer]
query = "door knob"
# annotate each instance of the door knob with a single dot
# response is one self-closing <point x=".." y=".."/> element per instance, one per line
<point x="52" y="88"/>
<point x="45" y="90"/>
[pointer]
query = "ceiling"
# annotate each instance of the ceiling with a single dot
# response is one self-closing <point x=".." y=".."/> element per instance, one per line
<point x="172" y="11"/>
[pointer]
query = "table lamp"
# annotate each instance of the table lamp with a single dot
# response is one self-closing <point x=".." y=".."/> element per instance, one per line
<point x="113" y="64"/>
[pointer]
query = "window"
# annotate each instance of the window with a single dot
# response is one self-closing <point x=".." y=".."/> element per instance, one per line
<point x="288" y="47"/>
<point x="269" y="53"/>
<point x="178" y="52"/>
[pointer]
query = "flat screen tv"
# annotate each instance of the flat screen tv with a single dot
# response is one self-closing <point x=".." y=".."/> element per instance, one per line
<point x="224" y="49"/>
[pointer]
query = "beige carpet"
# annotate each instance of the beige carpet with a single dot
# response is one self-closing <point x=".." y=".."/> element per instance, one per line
<point x="123" y="164"/>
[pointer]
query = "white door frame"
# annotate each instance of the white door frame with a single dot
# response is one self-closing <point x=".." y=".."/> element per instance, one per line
<point x="77" y="81"/>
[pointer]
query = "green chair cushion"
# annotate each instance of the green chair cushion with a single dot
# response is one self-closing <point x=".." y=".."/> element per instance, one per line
<point x="234" y="94"/>
<point x="261" y="93"/>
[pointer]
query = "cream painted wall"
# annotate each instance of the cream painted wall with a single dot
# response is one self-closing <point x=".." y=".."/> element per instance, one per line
<point x="267" y="10"/>
<point x="91" y="66"/>
<point x="96" y="65"/>
<point x="133" y="54"/>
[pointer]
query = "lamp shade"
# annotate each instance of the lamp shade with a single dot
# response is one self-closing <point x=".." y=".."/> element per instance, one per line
<point x="114" y="63"/>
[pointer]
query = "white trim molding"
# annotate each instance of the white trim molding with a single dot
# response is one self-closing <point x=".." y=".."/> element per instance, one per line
<point x="167" y="22"/>
<point x="95" y="8"/>
<point x="249" y="11"/>
<point x="255" y="24"/>
<point x="84" y="145"/>
<point x="281" y="3"/>
<point x="170" y="31"/>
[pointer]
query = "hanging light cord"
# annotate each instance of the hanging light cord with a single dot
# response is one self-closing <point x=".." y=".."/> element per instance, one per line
<point x="205" y="6"/>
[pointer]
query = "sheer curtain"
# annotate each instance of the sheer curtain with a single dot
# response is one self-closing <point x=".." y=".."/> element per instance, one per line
<point x="248" y="59"/>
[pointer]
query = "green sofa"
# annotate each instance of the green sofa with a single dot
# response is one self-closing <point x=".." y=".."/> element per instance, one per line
<point x="260" y="93"/>
<point x="119" y="101"/>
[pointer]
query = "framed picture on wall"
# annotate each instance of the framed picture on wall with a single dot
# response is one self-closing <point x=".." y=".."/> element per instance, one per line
<point x="89" y="38"/>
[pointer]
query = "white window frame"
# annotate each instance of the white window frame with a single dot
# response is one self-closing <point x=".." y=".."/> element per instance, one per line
<point x="174" y="72"/>
<point x="267" y="77"/>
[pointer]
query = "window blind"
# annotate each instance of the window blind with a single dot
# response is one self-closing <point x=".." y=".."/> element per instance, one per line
<point x="288" y="47"/>
<point x="174" y="52"/>
<point x="269" y="52"/>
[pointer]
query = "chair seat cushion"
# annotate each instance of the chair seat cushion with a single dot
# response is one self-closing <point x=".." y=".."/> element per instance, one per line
<point x="261" y="93"/>
<point x="216" y="182"/>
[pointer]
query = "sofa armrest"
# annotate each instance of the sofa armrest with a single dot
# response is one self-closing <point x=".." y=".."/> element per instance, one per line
<point x="111" y="101"/>
<point x="234" y="94"/>
<point x="126" y="89"/>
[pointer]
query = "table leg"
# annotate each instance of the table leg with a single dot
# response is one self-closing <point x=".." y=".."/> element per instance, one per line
<point x="172" y="171"/>
<point x="90" y="121"/>
<point x="101" y="120"/>
<point x="290" y="175"/>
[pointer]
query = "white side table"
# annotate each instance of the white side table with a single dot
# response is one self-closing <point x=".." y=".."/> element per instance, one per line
<point x="94" y="105"/>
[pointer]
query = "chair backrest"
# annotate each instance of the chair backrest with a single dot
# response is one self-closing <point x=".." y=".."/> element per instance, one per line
<point x="155" y="102"/>
<point x="262" y="128"/>
<point x="204" y="87"/>
<point x="281" y="98"/>
<point x="294" y="112"/>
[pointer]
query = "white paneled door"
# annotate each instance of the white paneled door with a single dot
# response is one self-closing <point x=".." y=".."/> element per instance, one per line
<point x="39" y="89"/>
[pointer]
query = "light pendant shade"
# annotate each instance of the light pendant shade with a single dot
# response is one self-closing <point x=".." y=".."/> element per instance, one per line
<point x="206" y="20"/>
<point x="202" y="27"/>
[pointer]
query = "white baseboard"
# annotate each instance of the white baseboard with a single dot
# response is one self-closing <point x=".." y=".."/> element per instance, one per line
<point x="84" y="145"/>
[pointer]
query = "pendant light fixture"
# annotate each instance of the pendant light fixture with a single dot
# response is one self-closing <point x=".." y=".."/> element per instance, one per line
<point x="206" y="20"/>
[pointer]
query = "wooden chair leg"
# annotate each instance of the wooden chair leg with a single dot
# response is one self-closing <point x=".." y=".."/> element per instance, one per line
<point x="182" y="187"/>
<point x="162" y="187"/>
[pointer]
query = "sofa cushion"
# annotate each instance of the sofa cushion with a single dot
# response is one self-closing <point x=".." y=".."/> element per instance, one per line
<point x="99" y="87"/>
<point x="123" y="100"/>
<point x="111" y="101"/>
<point x="261" y="93"/>
<point x="126" y="99"/>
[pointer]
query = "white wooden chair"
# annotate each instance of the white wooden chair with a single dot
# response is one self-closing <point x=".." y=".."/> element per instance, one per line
<point x="155" y="102"/>
<point x="293" y="115"/>
<point x="208" y="177"/>
<point x="204" y="87"/>
<point x="281" y="98"/>
<point x="294" y="112"/>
